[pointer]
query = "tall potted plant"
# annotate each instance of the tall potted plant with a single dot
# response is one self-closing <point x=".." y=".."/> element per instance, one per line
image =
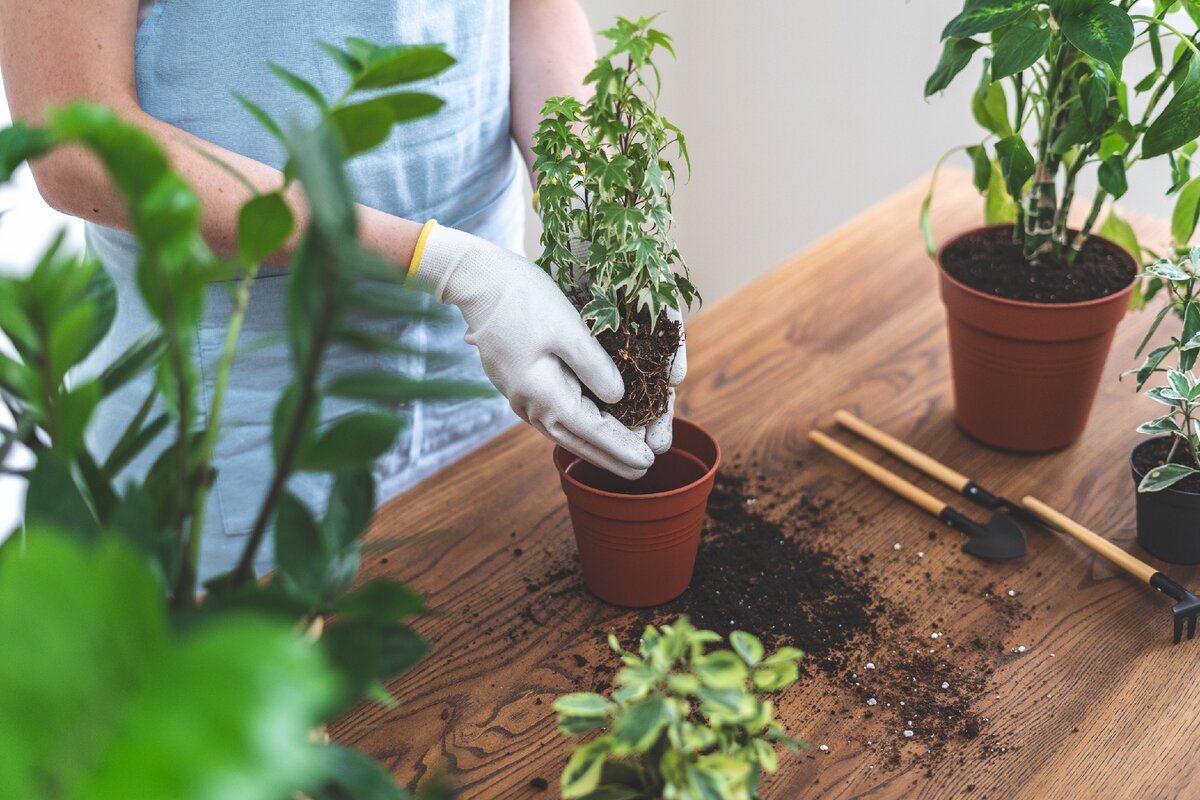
<point x="604" y="193"/>
<point x="1031" y="302"/>
<point x="1166" y="468"/>
<point x="130" y="682"/>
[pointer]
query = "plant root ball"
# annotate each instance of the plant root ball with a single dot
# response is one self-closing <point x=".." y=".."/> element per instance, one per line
<point x="644" y="359"/>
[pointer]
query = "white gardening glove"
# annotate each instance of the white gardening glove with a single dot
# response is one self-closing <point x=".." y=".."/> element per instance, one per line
<point x="534" y="347"/>
<point x="658" y="434"/>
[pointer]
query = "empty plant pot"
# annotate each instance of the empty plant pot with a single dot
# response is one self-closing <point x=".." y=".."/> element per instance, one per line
<point x="1025" y="374"/>
<point x="1168" y="521"/>
<point x="638" y="539"/>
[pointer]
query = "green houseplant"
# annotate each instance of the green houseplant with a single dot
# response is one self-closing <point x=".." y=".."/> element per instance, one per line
<point x="685" y="722"/>
<point x="132" y="683"/>
<point x="1164" y="467"/>
<point x="604" y="185"/>
<point x="1032" y="302"/>
<point x="604" y="193"/>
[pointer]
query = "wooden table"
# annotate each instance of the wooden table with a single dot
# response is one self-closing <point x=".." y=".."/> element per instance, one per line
<point x="1101" y="705"/>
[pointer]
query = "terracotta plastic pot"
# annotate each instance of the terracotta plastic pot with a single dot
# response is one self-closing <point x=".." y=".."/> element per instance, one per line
<point x="1168" y="521"/>
<point x="1025" y="374"/>
<point x="638" y="539"/>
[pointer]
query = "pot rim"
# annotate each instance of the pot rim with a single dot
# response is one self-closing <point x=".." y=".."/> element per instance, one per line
<point x="564" y="472"/>
<point x="1095" y="301"/>
<point x="1139" y="474"/>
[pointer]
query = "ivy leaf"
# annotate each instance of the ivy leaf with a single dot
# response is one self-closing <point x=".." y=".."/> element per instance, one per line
<point x="1020" y="48"/>
<point x="1016" y="163"/>
<point x="601" y="312"/>
<point x="1104" y="32"/>
<point x="1161" y="425"/>
<point x="581" y="776"/>
<point x="956" y="55"/>
<point x="982" y="16"/>
<point x="1179" y="123"/>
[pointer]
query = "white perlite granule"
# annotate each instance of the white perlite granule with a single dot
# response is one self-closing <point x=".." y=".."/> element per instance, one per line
<point x="920" y="554"/>
<point x="872" y="701"/>
<point x="908" y="734"/>
<point x="935" y="635"/>
<point x="1011" y="593"/>
<point x="896" y="546"/>
<point x="945" y="685"/>
<point x="824" y="748"/>
<point x="870" y="665"/>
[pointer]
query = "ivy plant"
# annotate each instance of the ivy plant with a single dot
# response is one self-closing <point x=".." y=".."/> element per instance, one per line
<point x="685" y="722"/>
<point x="604" y="185"/>
<point x="1175" y="362"/>
<point x="1055" y="100"/>
<point x="129" y="653"/>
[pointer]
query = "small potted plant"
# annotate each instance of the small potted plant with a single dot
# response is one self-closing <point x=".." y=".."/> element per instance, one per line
<point x="604" y="193"/>
<point x="683" y="722"/>
<point x="1031" y="302"/>
<point x="1166" y="468"/>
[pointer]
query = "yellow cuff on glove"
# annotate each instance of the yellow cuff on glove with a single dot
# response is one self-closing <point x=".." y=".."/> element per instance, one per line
<point x="419" y="250"/>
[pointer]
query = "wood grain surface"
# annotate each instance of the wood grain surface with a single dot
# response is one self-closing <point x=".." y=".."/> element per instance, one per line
<point x="1099" y="705"/>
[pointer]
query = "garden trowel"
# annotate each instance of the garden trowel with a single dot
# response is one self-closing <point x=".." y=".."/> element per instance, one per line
<point x="999" y="539"/>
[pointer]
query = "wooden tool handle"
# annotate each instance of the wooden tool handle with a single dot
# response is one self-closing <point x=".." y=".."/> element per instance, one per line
<point x="931" y="467"/>
<point x="891" y="480"/>
<point x="1134" y="566"/>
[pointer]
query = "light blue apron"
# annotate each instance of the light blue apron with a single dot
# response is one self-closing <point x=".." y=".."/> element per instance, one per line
<point x="459" y="167"/>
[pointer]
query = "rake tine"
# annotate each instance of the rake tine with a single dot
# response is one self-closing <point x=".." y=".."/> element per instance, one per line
<point x="1178" y="629"/>
<point x="1192" y="626"/>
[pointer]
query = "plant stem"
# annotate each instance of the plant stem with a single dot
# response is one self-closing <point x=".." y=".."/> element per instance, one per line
<point x="186" y="581"/>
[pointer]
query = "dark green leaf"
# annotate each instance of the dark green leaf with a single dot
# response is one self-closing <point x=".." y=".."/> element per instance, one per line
<point x="264" y="119"/>
<point x="392" y="66"/>
<point x="300" y="553"/>
<point x="143" y="354"/>
<point x="351" y="505"/>
<point x="300" y="85"/>
<point x="349" y="64"/>
<point x="1020" y="48"/>
<point x="982" y="16"/>
<point x="395" y="389"/>
<point x="1105" y="33"/>
<point x="55" y="499"/>
<point x="1016" y="163"/>
<point x="366" y="125"/>
<point x="1120" y="232"/>
<point x="1179" y="123"/>
<point x="353" y="775"/>
<point x="400" y="649"/>
<point x="381" y="601"/>
<point x="982" y="166"/>
<point x="956" y="55"/>
<point x="351" y="443"/>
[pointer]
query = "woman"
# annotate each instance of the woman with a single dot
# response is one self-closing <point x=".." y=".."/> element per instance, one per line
<point x="173" y="73"/>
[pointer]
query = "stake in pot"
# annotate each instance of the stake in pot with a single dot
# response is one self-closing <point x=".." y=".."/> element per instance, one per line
<point x="638" y="539"/>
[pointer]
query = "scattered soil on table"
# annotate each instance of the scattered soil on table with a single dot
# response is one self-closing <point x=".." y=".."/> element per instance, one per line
<point x="784" y="566"/>
<point x="989" y="262"/>
<point x="1153" y="453"/>
<point x="644" y="358"/>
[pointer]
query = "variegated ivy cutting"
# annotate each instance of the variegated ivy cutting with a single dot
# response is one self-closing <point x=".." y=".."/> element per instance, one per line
<point x="1056" y="100"/>
<point x="683" y="722"/>
<point x="604" y="188"/>
<point x="1181" y="391"/>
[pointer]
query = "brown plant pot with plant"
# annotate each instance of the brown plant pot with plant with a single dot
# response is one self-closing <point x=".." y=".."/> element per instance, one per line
<point x="1031" y="306"/>
<point x="638" y="539"/>
<point x="1025" y="373"/>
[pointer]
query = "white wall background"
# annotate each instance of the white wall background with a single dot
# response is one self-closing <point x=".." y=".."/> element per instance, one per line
<point x="799" y="115"/>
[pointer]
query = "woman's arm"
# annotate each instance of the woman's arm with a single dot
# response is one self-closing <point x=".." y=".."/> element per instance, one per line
<point x="552" y="49"/>
<point x="53" y="52"/>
